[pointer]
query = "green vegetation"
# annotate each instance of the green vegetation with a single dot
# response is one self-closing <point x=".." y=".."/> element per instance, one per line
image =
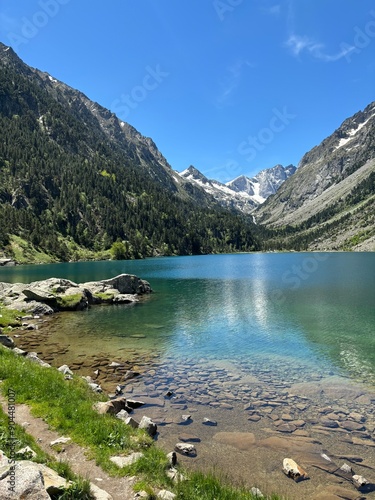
<point x="67" y="407"/>
<point x="70" y="302"/>
<point x="68" y="191"/>
<point x="78" y="487"/>
<point x="208" y="486"/>
<point x="104" y="297"/>
<point x="9" y="317"/>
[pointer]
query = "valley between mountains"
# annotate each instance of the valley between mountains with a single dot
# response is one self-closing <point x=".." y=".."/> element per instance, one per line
<point x="76" y="183"/>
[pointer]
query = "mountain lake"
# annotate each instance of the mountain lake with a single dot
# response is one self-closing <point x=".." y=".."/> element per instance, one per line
<point x="278" y="349"/>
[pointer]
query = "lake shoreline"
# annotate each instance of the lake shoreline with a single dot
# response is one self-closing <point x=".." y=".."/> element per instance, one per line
<point x="246" y="421"/>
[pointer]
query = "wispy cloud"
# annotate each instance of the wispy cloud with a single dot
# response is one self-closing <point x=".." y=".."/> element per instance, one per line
<point x="232" y="80"/>
<point x="298" y="44"/>
<point x="275" y="10"/>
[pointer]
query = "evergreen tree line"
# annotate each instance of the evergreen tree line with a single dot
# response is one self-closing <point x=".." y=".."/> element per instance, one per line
<point x="64" y="185"/>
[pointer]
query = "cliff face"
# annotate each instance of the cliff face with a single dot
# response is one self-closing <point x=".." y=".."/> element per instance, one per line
<point x="332" y="192"/>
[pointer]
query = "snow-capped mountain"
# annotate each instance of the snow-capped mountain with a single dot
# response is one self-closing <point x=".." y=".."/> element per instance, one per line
<point x="242" y="193"/>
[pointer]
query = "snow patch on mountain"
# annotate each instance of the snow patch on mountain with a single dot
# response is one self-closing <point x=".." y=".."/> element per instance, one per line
<point x="242" y="193"/>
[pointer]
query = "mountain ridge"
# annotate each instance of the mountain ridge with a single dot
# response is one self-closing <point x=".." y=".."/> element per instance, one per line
<point x="73" y="170"/>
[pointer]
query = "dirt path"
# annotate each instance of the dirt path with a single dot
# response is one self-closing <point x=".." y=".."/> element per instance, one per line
<point x="118" y="488"/>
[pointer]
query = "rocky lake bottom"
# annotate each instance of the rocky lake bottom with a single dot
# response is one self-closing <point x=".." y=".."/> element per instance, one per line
<point x="265" y="407"/>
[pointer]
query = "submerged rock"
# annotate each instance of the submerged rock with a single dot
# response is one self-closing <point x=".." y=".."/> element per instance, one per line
<point x="6" y="341"/>
<point x="293" y="470"/>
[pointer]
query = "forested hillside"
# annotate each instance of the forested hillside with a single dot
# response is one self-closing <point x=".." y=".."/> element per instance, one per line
<point x="74" y="180"/>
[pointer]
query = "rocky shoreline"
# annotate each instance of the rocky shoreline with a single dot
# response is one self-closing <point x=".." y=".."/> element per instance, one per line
<point x="252" y="407"/>
<point x="59" y="294"/>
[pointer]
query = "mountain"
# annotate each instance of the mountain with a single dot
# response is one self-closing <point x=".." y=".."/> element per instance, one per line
<point x="242" y="193"/>
<point x="75" y="180"/>
<point x="329" y="203"/>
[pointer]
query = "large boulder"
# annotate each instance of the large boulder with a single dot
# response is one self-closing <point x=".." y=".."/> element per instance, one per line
<point x="28" y="483"/>
<point x="128" y="284"/>
<point x="39" y="294"/>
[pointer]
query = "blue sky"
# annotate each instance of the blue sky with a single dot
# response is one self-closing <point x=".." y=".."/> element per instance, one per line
<point x="230" y="86"/>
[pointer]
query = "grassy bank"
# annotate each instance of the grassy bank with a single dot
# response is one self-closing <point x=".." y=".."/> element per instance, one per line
<point x="78" y="488"/>
<point x="67" y="407"/>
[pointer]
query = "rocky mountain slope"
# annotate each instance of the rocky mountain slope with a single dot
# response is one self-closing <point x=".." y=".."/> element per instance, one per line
<point x="242" y="193"/>
<point x="329" y="202"/>
<point x="75" y="179"/>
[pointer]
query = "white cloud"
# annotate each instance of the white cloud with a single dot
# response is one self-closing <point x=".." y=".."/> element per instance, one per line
<point x="298" y="44"/>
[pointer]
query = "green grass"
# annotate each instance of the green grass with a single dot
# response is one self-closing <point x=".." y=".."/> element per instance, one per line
<point x="66" y="405"/>
<point x="9" y="317"/>
<point x="79" y="486"/>
<point x="24" y="252"/>
<point x="208" y="487"/>
<point x="69" y="302"/>
<point x="104" y="297"/>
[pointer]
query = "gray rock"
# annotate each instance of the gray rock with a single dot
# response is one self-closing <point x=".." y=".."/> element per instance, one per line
<point x="61" y="440"/>
<point x="6" y="341"/>
<point x="32" y="356"/>
<point x="53" y="483"/>
<point x="133" y="423"/>
<point x="29" y="452"/>
<point x="256" y="493"/>
<point x="359" y="481"/>
<point x="148" y="425"/>
<point x="293" y="470"/>
<point x="349" y="425"/>
<point x="128" y="284"/>
<point x="39" y="294"/>
<point x="130" y="374"/>
<point x="172" y="457"/>
<point x="207" y="421"/>
<point x="186" y="449"/>
<point x="28" y="483"/>
<point x="124" y="461"/>
<point x="123" y="298"/>
<point x="65" y="370"/>
<point x="166" y="495"/>
<point x="99" y="494"/>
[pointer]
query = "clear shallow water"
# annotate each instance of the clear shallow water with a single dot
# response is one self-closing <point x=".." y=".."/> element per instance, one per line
<point x="314" y="309"/>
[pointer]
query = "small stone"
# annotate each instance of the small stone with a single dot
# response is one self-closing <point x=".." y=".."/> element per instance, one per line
<point x="286" y="417"/>
<point x="293" y="470"/>
<point x="286" y="428"/>
<point x="186" y="417"/>
<point x="359" y="481"/>
<point x="148" y="425"/>
<point x="124" y="461"/>
<point x="6" y="341"/>
<point x="65" y="370"/>
<point x="172" y="457"/>
<point x="134" y="403"/>
<point x="346" y="468"/>
<point x="256" y="493"/>
<point x="330" y="424"/>
<point x="349" y="425"/>
<point x="186" y="449"/>
<point x="175" y="475"/>
<point x="166" y="495"/>
<point x="207" y="421"/>
<point x="29" y="452"/>
<point x="254" y="418"/>
<point x="62" y="440"/>
<point x="130" y="374"/>
<point x="133" y="423"/>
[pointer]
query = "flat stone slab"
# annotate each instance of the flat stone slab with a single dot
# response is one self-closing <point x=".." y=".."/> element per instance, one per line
<point x="240" y="440"/>
<point x="124" y="461"/>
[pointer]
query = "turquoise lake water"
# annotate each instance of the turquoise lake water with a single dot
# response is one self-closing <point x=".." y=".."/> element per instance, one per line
<point x="312" y="309"/>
